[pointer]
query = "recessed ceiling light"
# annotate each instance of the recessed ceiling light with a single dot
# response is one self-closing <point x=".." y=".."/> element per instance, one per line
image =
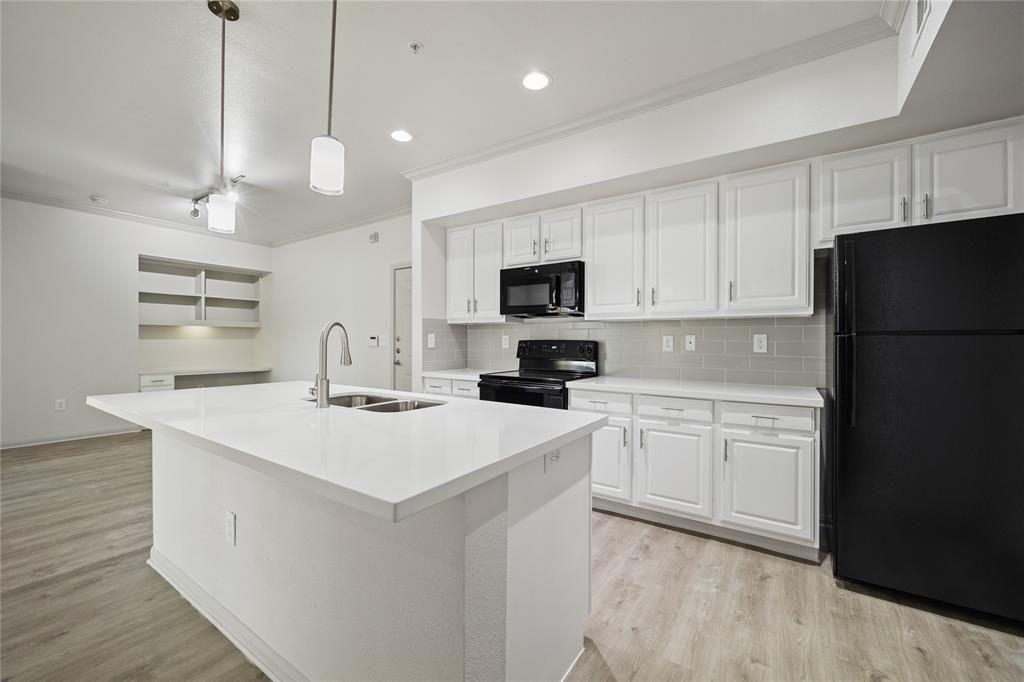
<point x="536" y="80"/>
<point x="401" y="136"/>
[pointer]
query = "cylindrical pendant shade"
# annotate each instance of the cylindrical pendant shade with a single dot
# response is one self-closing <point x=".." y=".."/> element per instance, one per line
<point x="221" y="213"/>
<point x="327" y="165"/>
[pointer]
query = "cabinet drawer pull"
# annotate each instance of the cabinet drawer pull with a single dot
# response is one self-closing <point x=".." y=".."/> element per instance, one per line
<point x="463" y="389"/>
<point x="674" y="409"/>
<point x="158" y="381"/>
<point x="726" y="449"/>
<point x="642" y="444"/>
<point x="475" y="306"/>
<point x="434" y="386"/>
<point x="547" y="245"/>
<point x="761" y="416"/>
<point x="903" y="208"/>
<point x="534" y="247"/>
<point x="652" y="295"/>
<point x="926" y="211"/>
<point x="638" y="297"/>
<point x="468" y="310"/>
<point x="730" y="291"/>
<point x="624" y="444"/>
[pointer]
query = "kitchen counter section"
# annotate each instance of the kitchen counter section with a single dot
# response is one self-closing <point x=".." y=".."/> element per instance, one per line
<point x="461" y="374"/>
<point x="391" y="465"/>
<point x="797" y="396"/>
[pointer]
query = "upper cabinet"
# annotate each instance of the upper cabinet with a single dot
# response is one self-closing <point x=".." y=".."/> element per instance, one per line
<point x="765" y="242"/>
<point x="474" y="269"/>
<point x="681" y="250"/>
<point x="551" y="236"/>
<point x="861" y="191"/>
<point x="970" y="175"/>
<point x="613" y="242"/>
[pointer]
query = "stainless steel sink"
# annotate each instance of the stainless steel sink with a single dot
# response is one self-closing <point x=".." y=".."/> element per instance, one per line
<point x="400" y="406"/>
<point x="357" y="399"/>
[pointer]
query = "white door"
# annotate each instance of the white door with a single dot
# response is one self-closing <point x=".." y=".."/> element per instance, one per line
<point x="863" y="191"/>
<point x="402" y="346"/>
<point x="681" y="244"/>
<point x="562" y="234"/>
<point x="610" y="463"/>
<point x="613" y="242"/>
<point x="674" y="467"/>
<point x="522" y="240"/>
<point x="487" y="273"/>
<point x="459" y="262"/>
<point x="766" y="248"/>
<point x="768" y="482"/>
<point x="969" y="175"/>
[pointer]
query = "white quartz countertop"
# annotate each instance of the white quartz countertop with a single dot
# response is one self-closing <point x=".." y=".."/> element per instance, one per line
<point x="460" y="374"/>
<point x="748" y="393"/>
<point x="391" y="465"/>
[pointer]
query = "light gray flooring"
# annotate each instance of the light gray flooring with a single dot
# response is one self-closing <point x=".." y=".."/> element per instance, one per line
<point x="78" y="601"/>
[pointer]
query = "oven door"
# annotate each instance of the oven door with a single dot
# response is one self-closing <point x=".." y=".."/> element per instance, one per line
<point x="528" y="291"/>
<point x="522" y="393"/>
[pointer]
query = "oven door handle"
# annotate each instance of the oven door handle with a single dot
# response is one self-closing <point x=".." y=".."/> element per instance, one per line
<point x="520" y="386"/>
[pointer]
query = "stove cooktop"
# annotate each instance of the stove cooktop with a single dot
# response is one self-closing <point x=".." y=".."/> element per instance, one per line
<point x="535" y="376"/>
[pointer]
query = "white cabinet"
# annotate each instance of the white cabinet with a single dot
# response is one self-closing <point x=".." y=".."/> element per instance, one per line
<point x="765" y="242"/>
<point x="522" y="240"/>
<point x="610" y="465"/>
<point x="674" y="467"/>
<point x="438" y="386"/>
<point x="465" y="389"/>
<point x="862" y="191"/>
<point x="681" y="245"/>
<point x="561" y="234"/>
<point x="969" y="175"/>
<point x="473" y="272"/>
<point x="768" y="482"/>
<point x="613" y="242"/>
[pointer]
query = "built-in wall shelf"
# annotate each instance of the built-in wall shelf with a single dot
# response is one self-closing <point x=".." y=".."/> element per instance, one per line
<point x="176" y="293"/>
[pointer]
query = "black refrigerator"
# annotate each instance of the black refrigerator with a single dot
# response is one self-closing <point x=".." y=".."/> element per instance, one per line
<point x="928" y="419"/>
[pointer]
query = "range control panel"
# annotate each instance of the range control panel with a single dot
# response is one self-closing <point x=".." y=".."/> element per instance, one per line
<point x="558" y="350"/>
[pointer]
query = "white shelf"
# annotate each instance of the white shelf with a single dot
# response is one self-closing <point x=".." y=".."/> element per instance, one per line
<point x="197" y="371"/>
<point x="176" y="293"/>
<point x="200" y="323"/>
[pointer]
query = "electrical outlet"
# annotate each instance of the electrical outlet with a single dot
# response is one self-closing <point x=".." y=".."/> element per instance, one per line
<point x="230" y="527"/>
<point x="60" y="404"/>
<point x="504" y="340"/>
<point x="691" y="342"/>
<point x="551" y="459"/>
<point x="668" y="343"/>
<point x="760" y="343"/>
<point x="431" y="341"/>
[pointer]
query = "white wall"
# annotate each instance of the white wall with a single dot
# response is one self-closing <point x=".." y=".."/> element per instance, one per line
<point x="913" y="47"/>
<point x="338" y="276"/>
<point x="70" y="311"/>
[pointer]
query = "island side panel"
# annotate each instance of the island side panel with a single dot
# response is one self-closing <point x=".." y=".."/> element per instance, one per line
<point x="334" y="592"/>
<point x="486" y="604"/>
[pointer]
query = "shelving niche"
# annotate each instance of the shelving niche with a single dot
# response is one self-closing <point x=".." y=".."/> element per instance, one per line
<point x="179" y="293"/>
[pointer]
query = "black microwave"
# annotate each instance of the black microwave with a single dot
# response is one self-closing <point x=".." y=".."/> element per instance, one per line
<point x="555" y="289"/>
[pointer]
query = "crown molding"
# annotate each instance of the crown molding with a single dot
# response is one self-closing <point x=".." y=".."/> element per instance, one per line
<point x="893" y="12"/>
<point x="125" y="215"/>
<point x="349" y="224"/>
<point x="816" y="47"/>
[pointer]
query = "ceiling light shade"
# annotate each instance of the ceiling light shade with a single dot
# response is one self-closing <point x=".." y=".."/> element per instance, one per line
<point x="401" y="136"/>
<point x="220" y="211"/>
<point x="536" y="80"/>
<point x="327" y="165"/>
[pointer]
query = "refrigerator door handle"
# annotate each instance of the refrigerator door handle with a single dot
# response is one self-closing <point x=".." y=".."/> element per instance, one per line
<point x="851" y="382"/>
<point x="851" y="289"/>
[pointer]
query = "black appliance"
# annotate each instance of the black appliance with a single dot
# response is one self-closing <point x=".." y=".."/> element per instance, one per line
<point x="544" y="369"/>
<point x="555" y="289"/>
<point x="929" y="402"/>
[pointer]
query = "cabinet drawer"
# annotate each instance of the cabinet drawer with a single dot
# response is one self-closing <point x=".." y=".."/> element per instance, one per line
<point x="442" y="386"/>
<point x="686" y="409"/>
<point x="599" y="401"/>
<point x="465" y="389"/>
<point x="156" y="381"/>
<point x="770" y="416"/>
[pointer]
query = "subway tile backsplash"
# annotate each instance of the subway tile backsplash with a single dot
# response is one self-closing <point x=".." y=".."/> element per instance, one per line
<point x="451" y="347"/>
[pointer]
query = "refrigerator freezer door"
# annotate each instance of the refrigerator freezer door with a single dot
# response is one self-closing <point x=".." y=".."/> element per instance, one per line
<point x="962" y="276"/>
<point x="929" y="470"/>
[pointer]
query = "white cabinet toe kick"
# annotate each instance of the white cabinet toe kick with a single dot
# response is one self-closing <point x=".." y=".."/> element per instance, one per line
<point x="744" y="471"/>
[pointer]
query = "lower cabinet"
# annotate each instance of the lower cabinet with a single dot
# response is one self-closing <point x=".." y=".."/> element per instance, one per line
<point x="674" y="467"/>
<point x="610" y="471"/>
<point x="768" y="482"/>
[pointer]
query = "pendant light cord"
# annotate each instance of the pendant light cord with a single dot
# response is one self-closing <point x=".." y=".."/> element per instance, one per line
<point x="330" y="85"/>
<point x="223" y="42"/>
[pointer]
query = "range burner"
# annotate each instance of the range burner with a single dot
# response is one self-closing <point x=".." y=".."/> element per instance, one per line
<point x="544" y="369"/>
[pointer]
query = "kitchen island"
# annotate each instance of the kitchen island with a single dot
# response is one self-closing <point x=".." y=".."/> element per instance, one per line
<point x="449" y="542"/>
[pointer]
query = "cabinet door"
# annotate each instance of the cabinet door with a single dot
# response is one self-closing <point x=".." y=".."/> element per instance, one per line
<point x="766" y="249"/>
<point x="613" y="242"/>
<point x="610" y="465"/>
<point x="522" y="240"/>
<point x="681" y="244"/>
<point x="969" y="175"/>
<point x="768" y="482"/>
<point x="562" y="234"/>
<point x="674" y="467"/>
<point x="864" y="191"/>
<point x="459" y="264"/>
<point x="486" y="272"/>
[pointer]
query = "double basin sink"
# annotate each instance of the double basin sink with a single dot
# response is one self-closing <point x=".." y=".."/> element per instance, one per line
<point x="378" y="403"/>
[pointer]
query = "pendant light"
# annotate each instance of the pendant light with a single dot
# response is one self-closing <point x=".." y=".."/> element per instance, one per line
<point x="220" y="206"/>
<point x="327" y="153"/>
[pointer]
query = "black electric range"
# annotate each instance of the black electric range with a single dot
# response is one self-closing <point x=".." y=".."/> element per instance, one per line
<point x="544" y="369"/>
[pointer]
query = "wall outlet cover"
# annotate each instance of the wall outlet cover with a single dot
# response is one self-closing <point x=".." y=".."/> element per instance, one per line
<point x="431" y="341"/>
<point x="691" y="342"/>
<point x="668" y="343"/>
<point x="504" y="340"/>
<point x="60" y="404"/>
<point x="760" y="343"/>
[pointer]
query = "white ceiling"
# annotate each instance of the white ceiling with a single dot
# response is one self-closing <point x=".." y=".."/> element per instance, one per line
<point x="121" y="99"/>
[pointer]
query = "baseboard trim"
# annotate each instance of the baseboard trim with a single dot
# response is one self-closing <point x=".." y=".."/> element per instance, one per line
<point x="573" y="665"/>
<point x="252" y="646"/>
<point x="803" y="552"/>
<point x="68" y="439"/>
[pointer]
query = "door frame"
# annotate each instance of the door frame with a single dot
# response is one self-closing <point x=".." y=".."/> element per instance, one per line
<point x="393" y="298"/>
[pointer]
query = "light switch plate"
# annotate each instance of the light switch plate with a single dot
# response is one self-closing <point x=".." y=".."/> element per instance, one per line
<point x="691" y="342"/>
<point x="668" y="343"/>
<point x="230" y="528"/>
<point x="504" y="340"/>
<point x="431" y="341"/>
<point x="760" y="343"/>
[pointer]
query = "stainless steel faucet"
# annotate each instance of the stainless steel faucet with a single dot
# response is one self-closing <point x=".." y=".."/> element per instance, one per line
<point x="321" y="384"/>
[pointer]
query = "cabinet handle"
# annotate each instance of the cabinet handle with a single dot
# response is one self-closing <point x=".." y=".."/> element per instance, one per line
<point x="903" y="208"/>
<point x="465" y="390"/>
<point x="730" y="290"/>
<point x="674" y="409"/>
<point x="467" y="306"/>
<point x="638" y="298"/>
<point x="547" y="245"/>
<point x="534" y="247"/>
<point x="475" y="306"/>
<point x="624" y="443"/>
<point x="433" y="386"/>
<point x="926" y="206"/>
<point x="652" y="295"/>
<point x="642" y="444"/>
<point x="726" y="449"/>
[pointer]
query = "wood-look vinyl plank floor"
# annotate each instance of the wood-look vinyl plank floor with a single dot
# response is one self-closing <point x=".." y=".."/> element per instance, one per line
<point x="78" y="602"/>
